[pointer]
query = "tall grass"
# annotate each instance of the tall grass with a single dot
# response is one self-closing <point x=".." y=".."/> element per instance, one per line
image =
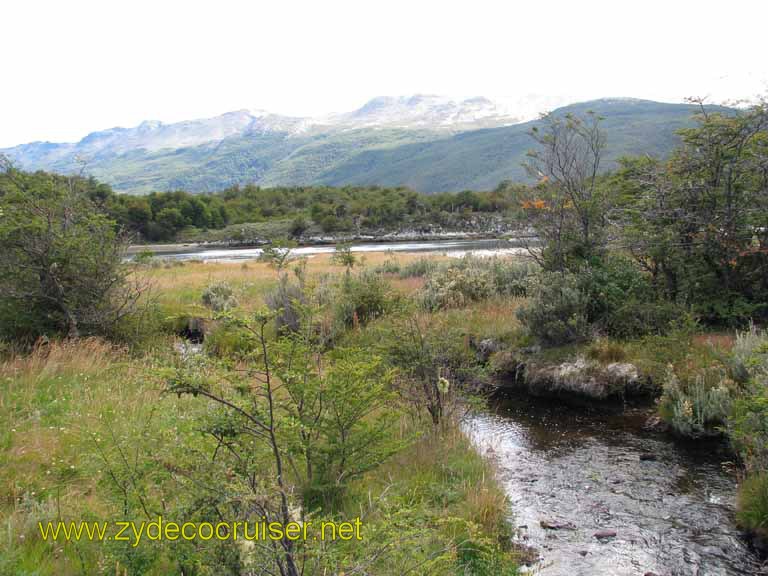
<point x="752" y="511"/>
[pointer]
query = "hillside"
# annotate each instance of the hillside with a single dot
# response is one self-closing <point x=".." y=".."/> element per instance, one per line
<point x="422" y="142"/>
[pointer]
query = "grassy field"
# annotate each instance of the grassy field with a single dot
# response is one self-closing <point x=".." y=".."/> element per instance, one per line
<point x="93" y="434"/>
<point x="90" y="434"/>
<point x="179" y="287"/>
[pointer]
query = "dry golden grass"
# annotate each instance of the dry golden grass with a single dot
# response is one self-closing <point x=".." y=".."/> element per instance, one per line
<point x="179" y="288"/>
<point x="51" y="358"/>
<point x="722" y="341"/>
<point x="406" y="286"/>
<point x="492" y="318"/>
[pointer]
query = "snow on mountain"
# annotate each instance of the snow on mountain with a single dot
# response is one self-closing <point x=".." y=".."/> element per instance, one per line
<point x="416" y="112"/>
<point x="431" y="112"/>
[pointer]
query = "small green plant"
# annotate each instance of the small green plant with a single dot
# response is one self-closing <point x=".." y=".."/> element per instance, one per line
<point x="285" y="301"/>
<point x="278" y="254"/>
<point x="219" y="297"/>
<point x="752" y="508"/>
<point x="418" y="268"/>
<point x="360" y="298"/>
<point x="299" y="226"/>
<point x="144" y="257"/>
<point x="635" y="318"/>
<point x="343" y="256"/>
<point x="389" y="266"/>
<point x="698" y="403"/>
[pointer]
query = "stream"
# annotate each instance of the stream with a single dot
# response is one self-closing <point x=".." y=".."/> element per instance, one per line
<point x="574" y="479"/>
<point x="489" y="247"/>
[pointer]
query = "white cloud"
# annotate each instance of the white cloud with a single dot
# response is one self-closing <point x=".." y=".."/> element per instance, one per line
<point x="73" y="67"/>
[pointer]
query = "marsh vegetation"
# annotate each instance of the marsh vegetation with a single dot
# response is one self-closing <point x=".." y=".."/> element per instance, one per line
<point x="340" y="386"/>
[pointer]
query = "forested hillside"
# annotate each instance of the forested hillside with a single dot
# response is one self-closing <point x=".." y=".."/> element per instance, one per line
<point x="421" y="157"/>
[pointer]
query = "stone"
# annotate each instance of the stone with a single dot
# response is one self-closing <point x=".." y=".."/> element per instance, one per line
<point x="554" y="525"/>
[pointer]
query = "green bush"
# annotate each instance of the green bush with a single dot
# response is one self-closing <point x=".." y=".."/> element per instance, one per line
<point x="389" y="266"/>
<point x="609" y="283"/>
<point x="750" y="355"/>
<point x="557" y="311"/>
<point x="286" y="301"/>
<point x="418" y="268"/>
<point x="510" y="277"/>
<point x="228" y="341"/>
<point x="698" y="403"/>
<point x="61" y="259"/>
<point x="606" y="352"/>
<point x="748" y="429"/>
<point x="361" y="298"/>
<point x="634" y="318"/>
<point x="144" y="257"/>
<point x="752" y="509"/>
<point x="219" y="297"/>
<point x="455" y="287"/>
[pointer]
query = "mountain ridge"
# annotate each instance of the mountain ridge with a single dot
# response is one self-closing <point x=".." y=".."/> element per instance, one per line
<point x="421" y="141"/>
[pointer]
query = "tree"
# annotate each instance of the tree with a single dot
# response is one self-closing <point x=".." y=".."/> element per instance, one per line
<point x="289" y="421"/>
<point x="278" y="254"/>
<point x="344" y="256"/>
<point x="699" y="222"/>
<point x="570" y="207"/>
<point x="61" y="269"/>
<point x="299" y="225"/>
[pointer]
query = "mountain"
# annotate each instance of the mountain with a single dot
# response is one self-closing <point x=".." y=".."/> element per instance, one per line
<point x="438" y="113"/>
<point x="429" y="143"/>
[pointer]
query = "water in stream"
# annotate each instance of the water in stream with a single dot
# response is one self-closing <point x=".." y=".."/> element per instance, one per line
<point x="670" y="504"/>
<point x="496" y="247"/>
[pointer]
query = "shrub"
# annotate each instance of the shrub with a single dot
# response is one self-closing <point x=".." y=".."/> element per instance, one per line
<point x="752" y="509"/>
<point x="343" y="256"/>
<point x="606" y="352"/>
<point x="433" y="360"/>
<point x="418" y="268"/>
<point x="697" y="404"/>
<point x="61" y="268"/>
<point x="219" y="297"/>
<point x="557" y="311"/>
<point x="361" y="298"/>
<point x="750" y="355"/>
<point x="634" y="318"/>
<point x="299" y="225"/>
<point x="454" y="287"/>
<point x="389" y="266"/>
<point x="748" y="429"/>
<point x="748" y="423"/>
<point x="510" y="277"/>
<point x="610" y="283"/>
<point x="286" y="301"/>
<point x="144" y="257"/>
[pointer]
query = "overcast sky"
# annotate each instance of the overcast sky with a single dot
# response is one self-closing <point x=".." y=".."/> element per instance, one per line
<point x="72" y="67"/>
